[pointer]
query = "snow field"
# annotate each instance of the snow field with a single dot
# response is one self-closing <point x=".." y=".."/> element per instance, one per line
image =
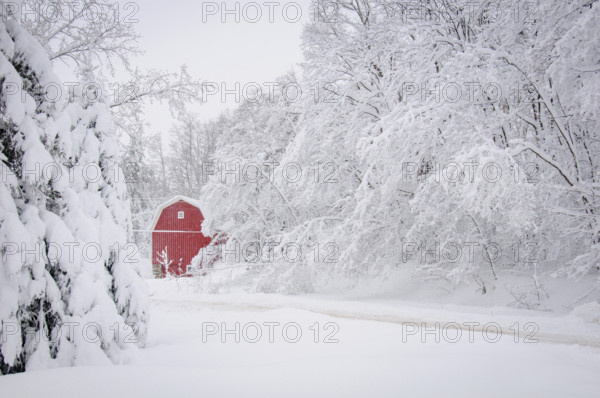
<point x="194" y="348"/>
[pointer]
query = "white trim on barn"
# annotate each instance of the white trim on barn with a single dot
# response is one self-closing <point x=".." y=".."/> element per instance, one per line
<point x="168" y="203"/>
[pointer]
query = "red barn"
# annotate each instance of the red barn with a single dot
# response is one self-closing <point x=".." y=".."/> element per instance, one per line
<point x="176" y="235"/>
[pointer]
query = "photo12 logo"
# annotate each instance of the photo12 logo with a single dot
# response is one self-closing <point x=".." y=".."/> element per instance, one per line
<point x="256" y="252"/>
<point x="67" y="252"/>
<point x="467" y="92"/>
<point x="238" y="171"/>
<point x="87" y="332"/>
<point x="469" y="252"/>
<point x="251" y="12"/>
<point x="68" y="11"/>
<point x="269" y="332"/>
<point x="469" y="172"/>
<point x="90" y="92"/>
<point x="455" y="332"/>
<point x="53" y="172"/>
<point x="472" y="11"/>
<point x="254" y="92"/>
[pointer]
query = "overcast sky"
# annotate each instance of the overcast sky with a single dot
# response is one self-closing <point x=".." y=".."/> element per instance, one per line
<point x="193" y="33"/>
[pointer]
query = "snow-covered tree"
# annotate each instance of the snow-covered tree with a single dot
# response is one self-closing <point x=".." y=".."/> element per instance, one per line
<point x="68" y="277"/>
<point x="100" y="35"/>
<point x="445" y="125"/>
<point x="192" y="145"/>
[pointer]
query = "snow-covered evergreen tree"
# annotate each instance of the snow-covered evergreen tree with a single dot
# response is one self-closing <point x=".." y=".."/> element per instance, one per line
<point x="69" y="283"/>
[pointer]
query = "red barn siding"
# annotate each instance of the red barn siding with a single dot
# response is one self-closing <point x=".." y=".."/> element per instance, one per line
<point x="182" y="237"/>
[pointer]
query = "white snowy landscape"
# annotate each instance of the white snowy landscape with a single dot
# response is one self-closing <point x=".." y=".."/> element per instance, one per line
<point x="358" y="348"/>
<point x="328" y="198"/>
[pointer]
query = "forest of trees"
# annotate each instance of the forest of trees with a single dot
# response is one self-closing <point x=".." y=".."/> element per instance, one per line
<point x="453" y="142"/>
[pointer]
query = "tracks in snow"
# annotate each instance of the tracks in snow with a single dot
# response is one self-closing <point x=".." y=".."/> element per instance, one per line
<point x="538" y="329"/>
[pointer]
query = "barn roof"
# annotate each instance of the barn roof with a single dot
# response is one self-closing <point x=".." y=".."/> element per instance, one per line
<point x="168" y="203"/>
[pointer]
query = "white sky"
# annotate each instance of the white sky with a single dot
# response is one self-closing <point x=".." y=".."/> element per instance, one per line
<point x="174" y="33"/>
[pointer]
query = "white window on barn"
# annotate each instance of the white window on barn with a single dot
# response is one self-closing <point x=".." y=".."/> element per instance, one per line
<point x="180" y="215"/>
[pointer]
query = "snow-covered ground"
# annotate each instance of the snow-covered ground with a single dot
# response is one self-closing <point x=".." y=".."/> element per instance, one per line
<point x="282" y="346"/>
